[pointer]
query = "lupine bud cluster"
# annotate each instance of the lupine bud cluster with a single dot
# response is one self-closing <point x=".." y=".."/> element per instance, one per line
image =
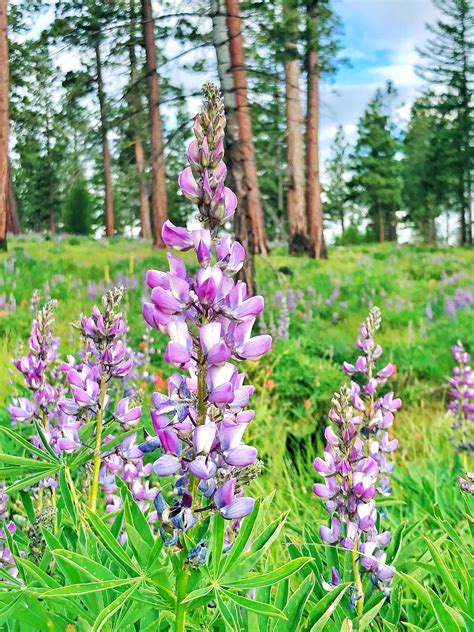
<point x="355" y="465"/>
<point x="461" y="404"/>
<point x="203" y="181"/>
<point x="377" y="412"/>
<point x="36" y="367"/>
<point x="208" y="317"/>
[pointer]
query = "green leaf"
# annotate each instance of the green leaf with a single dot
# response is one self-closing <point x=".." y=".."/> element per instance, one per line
<point x="87" y="588"/>
<point x="273" y="577"/>
<point x="253" y="605"/>
<point x="36" y="574"/>
<point x="66" y="497"/>
<point x="110" y="543"/>
<point x="33" y="464"/>
<point x="198" y="594"/>
<point x="242" y="539"/>
<point x="44" y="441"/>
<point x="81" y="457"/>
<point x="226" y="613"/>
<point x="446" y="617"/>
<point x="218" y="530"/>
<point x="367" y="618"/>
<point x="294" y="609"/>
<point x="28" y="505"/>
<point x="112" y="608"/>
<point x="29" y="481"/>
<point x="445" y="575"/>
<point x="323" y="610"/>
<point x="134" y="515"/>
<point x="91" y="567"/>
<point x="29" y="447"/>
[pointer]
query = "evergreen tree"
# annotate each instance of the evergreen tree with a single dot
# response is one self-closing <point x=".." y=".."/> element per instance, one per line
<point x="449" y="62"/>
<point x="425" y="196"/>
<point x="337" y="191"/>
<point x="78" y="209"/>
<point x="376" y="182"/>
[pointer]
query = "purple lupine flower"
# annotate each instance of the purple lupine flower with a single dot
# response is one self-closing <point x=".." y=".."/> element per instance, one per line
<point x="208" y="317"/>
<point x="461" y="404"/>
<point x="377" y="412"/>
<point x="349" y="490"/>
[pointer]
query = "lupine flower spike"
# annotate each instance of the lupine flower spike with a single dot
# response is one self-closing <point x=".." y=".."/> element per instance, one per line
<point x="208" y="316"/>
<point x="355" y="466"/>
<point x="461" y="404"/>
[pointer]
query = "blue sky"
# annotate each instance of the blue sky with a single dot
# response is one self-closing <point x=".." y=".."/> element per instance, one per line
<point x="380" y="39"/>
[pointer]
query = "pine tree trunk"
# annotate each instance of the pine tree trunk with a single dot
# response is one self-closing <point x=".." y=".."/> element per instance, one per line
<point x="234" y="158"/>
<point x="139" y="154"/>
<point x="13" y="221"/>
<point x="313" y="183"/>
<point x="159" y="201"/>
<point x="237" y="59"/>
<point x="381" y="223"/>
<point x="52" y="214"/>
<point x="4" y="102"/>
<point x="107" y="168"/>
<point x="297" y="224"/>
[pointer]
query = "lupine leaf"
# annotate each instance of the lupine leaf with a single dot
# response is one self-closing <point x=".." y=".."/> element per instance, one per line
<point x="109" y="542"/>
<point x="74" y="590"/>
<point x="255" y="606"/>
<point x="54" y="457"/>
<point x="198" y="594"/>
<point x="66" y="497"/>
<point x="242" y="538"/>
<point x="325" y="607"/>
<point x="226" y="613"/>
<point x="294" y="609"/>
<point x="33" y="464"/>
<point x="29" y="481"/>
<point x="218" y="530"/>
<point x="134" y="515"/>
<point x="367" y="618"/>
<point x="446" y="616"/>
<point x="445" y="575"/>
<point x="28" y="506"/>
<point x="112" y="608"/>
<point x="273" y="577"/>
<point x="93" y="569"/>
<point x="29" y="447"/>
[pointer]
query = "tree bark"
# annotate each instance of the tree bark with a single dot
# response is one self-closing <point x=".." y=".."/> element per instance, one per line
<point x="297" y="224"/>
<point x="107" y="168"/>
<point x="4" y="125"/>
<point x="159" y="201"/>
<point x="139" y="154"/>
<point x="237" y="59"/>
<point x="313" y="183"/>
<point x="233" y="155"/>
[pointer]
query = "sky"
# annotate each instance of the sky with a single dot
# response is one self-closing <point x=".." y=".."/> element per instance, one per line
<point x="380" y="40"/>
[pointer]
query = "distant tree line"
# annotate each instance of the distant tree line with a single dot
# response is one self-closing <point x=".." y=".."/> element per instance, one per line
<point x="99" y="147"/>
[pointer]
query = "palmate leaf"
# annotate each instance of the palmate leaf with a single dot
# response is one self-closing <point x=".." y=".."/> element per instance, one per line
<point x="252" y="604"/>
<point x="91" y="569"/>
<point x="110" y="543"/>
<point x="323" y="610"/>
<point x="255" y="580"/>
<point x="241" y="540"/>
<point x="108" y="612"/>
<point x="75" y="590"/>
<point x="133" y="514"/>
<point x="29" y="481"/>
<point x="367" y="618"/>
<point x="26" y="445"/>
<point x="226" y="613"/>
<point x="54" y="457"/>
<point x="295" y="607"/>
<point x="32" y="464"/>
<point x="84" y="454"/>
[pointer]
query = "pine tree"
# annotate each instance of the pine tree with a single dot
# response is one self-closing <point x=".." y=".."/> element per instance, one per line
<point x="337" y="191"/>
<point x="449" y="62"/>
<point x="426" y="140"/>
<point x="78" y="209"/>
<point x="376" y="180"/>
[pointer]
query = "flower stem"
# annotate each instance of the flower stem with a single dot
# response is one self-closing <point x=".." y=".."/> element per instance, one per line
<point x="181" y="592"/>
<point x="357" y="579"/>
<point x="98" y="443"/>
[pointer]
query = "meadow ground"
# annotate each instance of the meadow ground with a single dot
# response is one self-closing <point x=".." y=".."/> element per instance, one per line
<point x="313" y="310"/>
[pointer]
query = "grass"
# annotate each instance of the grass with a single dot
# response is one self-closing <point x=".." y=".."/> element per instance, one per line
<point x="294" y="384"/>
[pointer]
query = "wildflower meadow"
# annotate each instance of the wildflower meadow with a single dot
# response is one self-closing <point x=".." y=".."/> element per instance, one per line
<point x="182" y="453"/>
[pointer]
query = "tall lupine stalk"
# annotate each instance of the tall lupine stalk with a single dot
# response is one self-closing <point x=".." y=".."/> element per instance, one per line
<point x="355" y="465"/>
<point x="200" y="423"/>
<point x="461" y="404"/>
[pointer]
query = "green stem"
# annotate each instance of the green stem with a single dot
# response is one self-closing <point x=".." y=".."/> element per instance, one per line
<point x="181" y="592"/>
<point x="357" y="578"/>
<point x="98" y="443"/>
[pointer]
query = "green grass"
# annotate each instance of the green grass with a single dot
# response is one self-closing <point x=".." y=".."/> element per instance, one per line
<point x="294" y="384"/>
